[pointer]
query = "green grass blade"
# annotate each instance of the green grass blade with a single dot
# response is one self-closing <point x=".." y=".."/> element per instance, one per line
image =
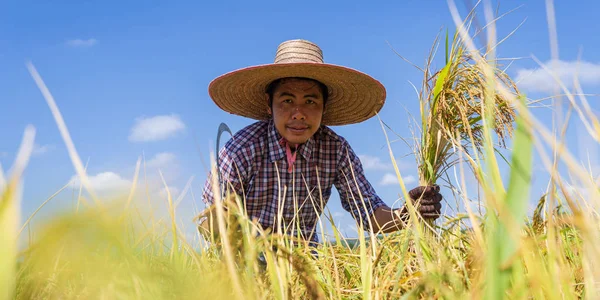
<point x="505" y="242"/>
<point x="439" y="84"/>
<point x="365" y="266"/>
<point x="447" y="50"/>
<point x="519" y="185"/>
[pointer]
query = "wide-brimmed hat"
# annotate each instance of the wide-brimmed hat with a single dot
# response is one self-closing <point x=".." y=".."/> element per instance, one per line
<point x="353" y="96"/>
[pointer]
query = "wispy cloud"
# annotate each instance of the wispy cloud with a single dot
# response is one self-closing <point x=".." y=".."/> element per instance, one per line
<point x="150" y="129"/>
<point x="173" y="190"/>
<point x="105" y="183"/>
<point x="541" y="80"/>
<point x="118" y="183"/>
<point x="82" y="42"/>
<point x="373" y="163"/>
<point x="165" y="162"/>
<point x="337" y="214"/>
<point x="391" y="179"/>
<point x="3" y="154"/>
<point x="410" y="179"/>
<point x="582" y="190"/>
<point x="161" y="160"/>
<point x="41" y="149"/>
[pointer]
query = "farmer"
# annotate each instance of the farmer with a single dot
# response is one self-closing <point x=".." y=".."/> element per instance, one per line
<point x="284" y="165"/>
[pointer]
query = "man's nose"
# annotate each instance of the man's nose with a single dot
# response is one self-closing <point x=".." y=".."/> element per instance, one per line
<point x="298" y="114"/>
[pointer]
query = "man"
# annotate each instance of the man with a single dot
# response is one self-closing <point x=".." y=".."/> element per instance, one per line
<point x="284" y="165"/>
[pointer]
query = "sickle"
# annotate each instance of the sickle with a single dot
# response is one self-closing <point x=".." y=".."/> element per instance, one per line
<point x="222" y="127"/>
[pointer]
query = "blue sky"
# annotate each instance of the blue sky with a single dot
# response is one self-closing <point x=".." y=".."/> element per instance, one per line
<point x="132" y="78"/>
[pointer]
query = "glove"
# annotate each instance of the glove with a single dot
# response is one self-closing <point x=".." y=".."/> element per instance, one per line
<point x="427" y="201"/>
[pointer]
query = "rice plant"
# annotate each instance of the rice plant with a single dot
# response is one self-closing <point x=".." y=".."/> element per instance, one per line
<point x="469" y="108"/>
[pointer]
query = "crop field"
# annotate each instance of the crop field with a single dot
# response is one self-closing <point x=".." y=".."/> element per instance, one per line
<point x="473" y="121"/>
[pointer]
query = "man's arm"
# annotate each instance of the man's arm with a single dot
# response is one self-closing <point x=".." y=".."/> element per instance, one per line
<point x="234" y="169"/>
<point x="427" y="203"/>
<point x="357" y="195"/>
<point x="359" y="198"/>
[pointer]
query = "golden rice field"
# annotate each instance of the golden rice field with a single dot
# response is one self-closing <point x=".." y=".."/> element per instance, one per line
<point x="111" y="250"/>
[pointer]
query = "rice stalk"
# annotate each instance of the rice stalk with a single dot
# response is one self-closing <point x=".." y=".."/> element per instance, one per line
<point x="10" y="216"/>
<point x="454" y="103"/>
<point x="75" y="159"/>
<point x="451" y="103"/>
<point x="84" y="256"/>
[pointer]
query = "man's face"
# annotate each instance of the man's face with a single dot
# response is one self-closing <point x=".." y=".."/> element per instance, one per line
<point x="297" y="109"/>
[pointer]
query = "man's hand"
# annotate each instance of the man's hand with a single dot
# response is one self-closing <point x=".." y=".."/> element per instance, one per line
<point x="427" y="201"/>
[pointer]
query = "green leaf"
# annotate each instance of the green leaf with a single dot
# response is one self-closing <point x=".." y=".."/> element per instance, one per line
<point x="347" y="273"/>
<point x="502" y="156"/>
<point x="474" y="120"/>
<point x="502" y="244"/>
<point x="447" y="53"/>
<point x="366" y="268"/>
<point x="429" y="175"/>
<point x="439" y="83"/>
<point x="519" y="184"/>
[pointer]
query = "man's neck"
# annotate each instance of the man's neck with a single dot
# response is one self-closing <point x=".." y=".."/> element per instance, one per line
<point x="293" y="147"/>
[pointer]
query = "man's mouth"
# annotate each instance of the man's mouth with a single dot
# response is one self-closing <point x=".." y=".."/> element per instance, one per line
<point x="297" y="129"/>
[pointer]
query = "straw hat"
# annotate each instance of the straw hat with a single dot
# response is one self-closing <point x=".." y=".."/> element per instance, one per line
<point x="353" y="95"/>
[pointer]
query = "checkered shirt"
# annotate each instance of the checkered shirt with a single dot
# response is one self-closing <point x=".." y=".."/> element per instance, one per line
<point x="254" y="163"/>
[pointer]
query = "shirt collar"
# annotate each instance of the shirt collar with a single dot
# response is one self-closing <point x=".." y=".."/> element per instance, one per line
<point x="277" y="150"/>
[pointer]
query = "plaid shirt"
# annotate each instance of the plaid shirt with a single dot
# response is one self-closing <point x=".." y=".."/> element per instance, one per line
<point x="254" y="163"/>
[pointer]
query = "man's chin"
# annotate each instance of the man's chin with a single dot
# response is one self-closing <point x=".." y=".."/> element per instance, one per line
<point x="296" y="140"/>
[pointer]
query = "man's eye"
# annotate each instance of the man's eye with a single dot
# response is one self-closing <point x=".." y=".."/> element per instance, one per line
<point x="287" y="101"/>
<point x="310" y="101"/>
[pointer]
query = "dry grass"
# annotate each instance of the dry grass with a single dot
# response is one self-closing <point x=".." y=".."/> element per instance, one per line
<point x="114" y="252"/>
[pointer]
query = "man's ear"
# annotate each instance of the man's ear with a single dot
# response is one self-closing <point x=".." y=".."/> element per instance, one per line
<point x="268" y="104"/>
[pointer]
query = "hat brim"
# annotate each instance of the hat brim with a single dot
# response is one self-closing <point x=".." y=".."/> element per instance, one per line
<point x="353" y="96"/>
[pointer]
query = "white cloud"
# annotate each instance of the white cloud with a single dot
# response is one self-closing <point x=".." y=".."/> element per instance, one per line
<point x="373" y="163"/>
<point x="173" y="190"/>
<point x="337" y="214"/>
<point x="165" y="162"/>
<point x="410" y="179"/>
<point x="583" y="191"/>
<point x="161" y="160"/>
<point x="39" y="150"/>
<point x="82" y="43"/>
<point x="540" y="80"/>
<point x="106" y="183"/>
<point x="155" y="128"/>
<point x="377" y="164"/>
<point x="391" y="179"/>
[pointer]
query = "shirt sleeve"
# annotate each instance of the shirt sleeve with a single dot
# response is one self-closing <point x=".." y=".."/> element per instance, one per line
<point x="233" y="167"/>
<point x="357" y="195"/>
